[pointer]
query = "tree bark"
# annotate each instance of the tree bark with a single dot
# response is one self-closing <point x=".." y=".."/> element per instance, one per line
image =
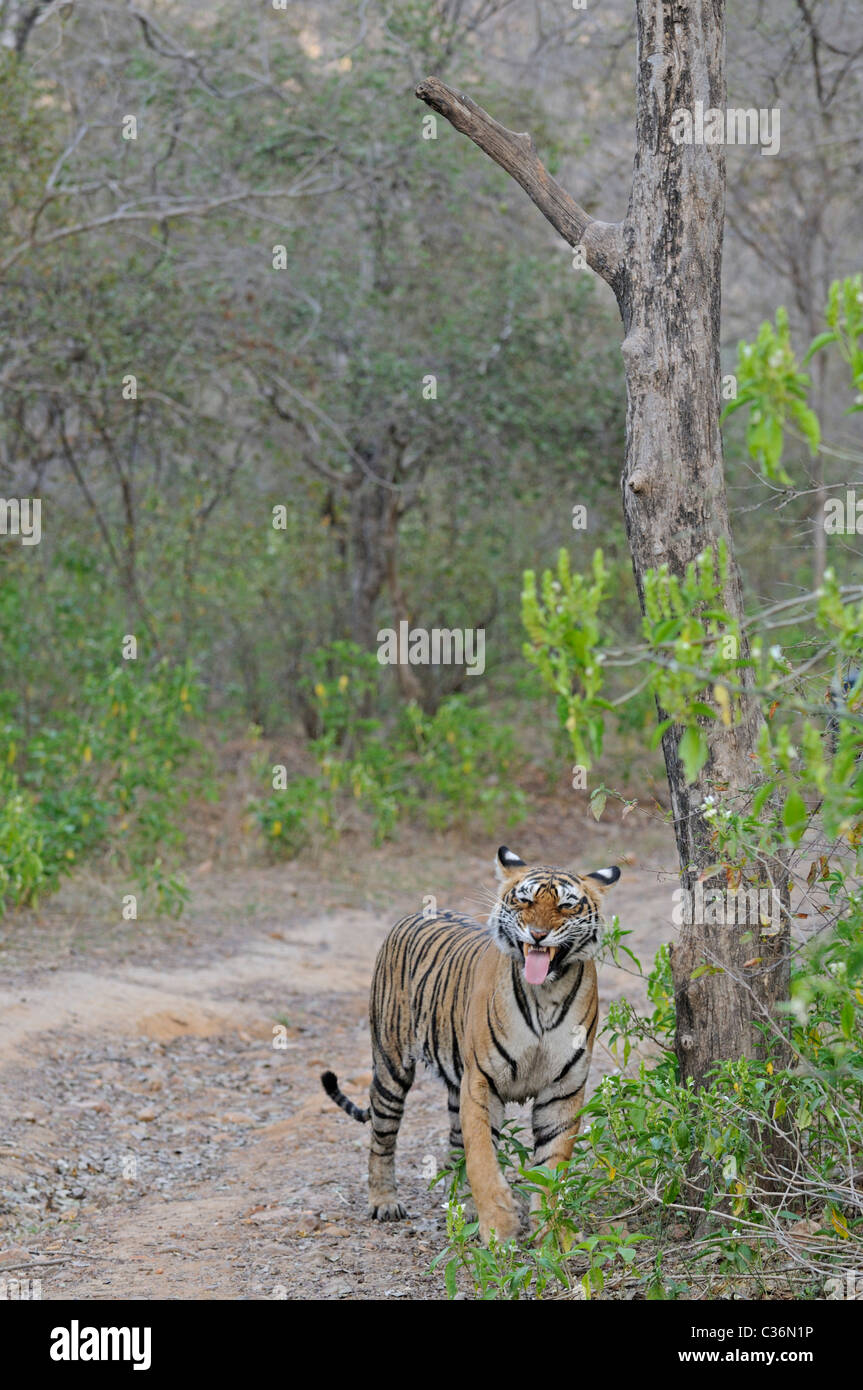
<point x="664" y="263"/>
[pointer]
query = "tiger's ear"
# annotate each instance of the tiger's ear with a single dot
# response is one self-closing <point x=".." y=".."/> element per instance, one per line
<point x="506" y="864"/>
<point x="605" y="877"/>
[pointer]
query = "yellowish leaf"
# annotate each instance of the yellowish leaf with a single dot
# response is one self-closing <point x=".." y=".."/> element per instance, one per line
<point x="723" y="700"/>
<point x="839" y="1224"/>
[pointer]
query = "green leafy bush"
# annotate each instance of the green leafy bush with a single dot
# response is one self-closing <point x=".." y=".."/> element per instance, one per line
<point x="109" y="773"/>
<point x="440" y="769"/>
<point x="287" y="817"/>
<point x="23" y="872"/>
<point x="466" y="765"/>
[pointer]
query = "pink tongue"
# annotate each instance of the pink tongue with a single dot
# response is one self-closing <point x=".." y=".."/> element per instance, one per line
<point x="536" y="966"/>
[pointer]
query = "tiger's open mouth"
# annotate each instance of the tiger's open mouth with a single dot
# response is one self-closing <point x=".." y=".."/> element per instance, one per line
<point x="537" y="959"/>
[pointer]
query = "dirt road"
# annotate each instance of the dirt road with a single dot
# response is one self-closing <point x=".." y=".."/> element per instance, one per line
<point x="163" y="1133"/>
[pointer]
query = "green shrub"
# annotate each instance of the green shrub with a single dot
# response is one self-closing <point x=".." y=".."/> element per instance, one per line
<point x="23" y="872"/>
<point x="109" y="773"/>
<point x="442" y="769"/>
<point x="287" y="817"/>
<point x="466" y="765"/>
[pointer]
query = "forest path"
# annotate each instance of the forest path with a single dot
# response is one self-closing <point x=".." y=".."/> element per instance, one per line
<point x="153" y="1141"/>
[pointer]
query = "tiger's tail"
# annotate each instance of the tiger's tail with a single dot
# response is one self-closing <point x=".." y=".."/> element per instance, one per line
<point x="330" y="1083"/>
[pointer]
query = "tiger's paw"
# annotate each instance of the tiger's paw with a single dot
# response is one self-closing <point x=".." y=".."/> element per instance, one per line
<point x="388" y="1211"/>
<point x="503" y="1220"/>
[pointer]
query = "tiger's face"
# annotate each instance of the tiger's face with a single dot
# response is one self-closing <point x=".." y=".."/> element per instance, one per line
<point x="546" y="918"/>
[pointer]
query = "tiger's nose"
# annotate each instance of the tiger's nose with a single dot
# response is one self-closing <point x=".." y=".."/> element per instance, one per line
<point x="538" y="933"/>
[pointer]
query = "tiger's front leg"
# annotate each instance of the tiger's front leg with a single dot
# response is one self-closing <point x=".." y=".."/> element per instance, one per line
<point x="556" y="1123"/>
<point x="482" y="1112"/>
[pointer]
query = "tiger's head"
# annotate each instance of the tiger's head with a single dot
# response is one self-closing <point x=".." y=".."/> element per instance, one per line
<point x="546" y="918"/>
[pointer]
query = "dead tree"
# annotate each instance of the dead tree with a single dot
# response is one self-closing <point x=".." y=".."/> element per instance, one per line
<point x="663" y="263"/>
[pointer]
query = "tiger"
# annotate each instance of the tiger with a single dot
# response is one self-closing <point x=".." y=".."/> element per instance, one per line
<point x="505" y="1011"/>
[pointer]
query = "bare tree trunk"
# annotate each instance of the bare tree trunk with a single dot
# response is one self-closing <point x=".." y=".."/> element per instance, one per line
<point x="674" y="496"/>
<point x="409" y="685"/>
<point x="377" y="500"/>
<point x="369" y="506"/>
<point x="663" y="262"/>
<point x="375" y="515"/>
